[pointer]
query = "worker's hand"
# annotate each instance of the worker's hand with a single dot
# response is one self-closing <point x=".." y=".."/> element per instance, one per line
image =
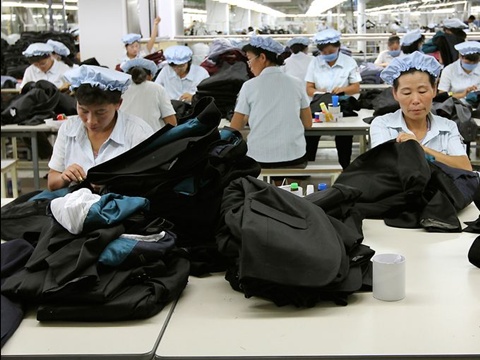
<point x="186" y="97"/>
<point x="157" y="20"/>
<point x="402" y="137"/>
<point x="74" y="172"/>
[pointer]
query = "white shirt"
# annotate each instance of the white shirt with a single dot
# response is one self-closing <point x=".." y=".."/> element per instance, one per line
<point x="297" y="65"/>
<point x="73" y="146"/>
<point x="343" y="73"/>
<point x="443" y="135"/>
<point x="273" y="101"/>
<point x="176" y="86"/>
<point x="148" y="101"/>
<point x="54" y="74"/>
<point x="141" y="54"/>
<point x="454" y="78"/>
<point x="384" y="58"/>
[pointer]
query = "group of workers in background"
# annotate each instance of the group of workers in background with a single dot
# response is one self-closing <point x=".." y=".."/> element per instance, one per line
<point x="119" y="109"/>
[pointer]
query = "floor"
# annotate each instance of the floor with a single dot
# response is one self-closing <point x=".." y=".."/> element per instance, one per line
<point x="326" y="154"/>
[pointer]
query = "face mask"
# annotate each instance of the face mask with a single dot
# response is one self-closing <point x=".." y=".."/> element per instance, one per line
<point x="394" y="53"/>
<point x="330" y="57"/>
<point x="469" y="67"/>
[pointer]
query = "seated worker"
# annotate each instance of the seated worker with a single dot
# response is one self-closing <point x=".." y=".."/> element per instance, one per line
<point x="100" y="131"/>
<point x="442" y="44"/>
<point x="413" y="78"/>
<point x="336" y="73"/>
<point x="462" y="76"/>
<point x="61" y="52"/>
<point x="412" y="41"/>
<point x="43" y="65"/>
<point x="297" y="63"/>
<point x="385" y="56"/>
<point x="276" y="107"/>
<point x="180" y="78"/>
<point x="132" y="46"/>
<point x="144" y="98"/>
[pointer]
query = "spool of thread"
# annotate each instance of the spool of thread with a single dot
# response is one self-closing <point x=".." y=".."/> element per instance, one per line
<point x="322" y="186"/>
<point x="310" y="189"/>
<point x="334" y="100"/>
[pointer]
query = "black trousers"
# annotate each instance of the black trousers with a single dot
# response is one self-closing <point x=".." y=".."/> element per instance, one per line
<point x="342" y="143"/>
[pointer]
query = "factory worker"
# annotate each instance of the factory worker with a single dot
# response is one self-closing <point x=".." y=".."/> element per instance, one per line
<point x="133" y="48"/>
<point x="276" y="107"/>
<point x="412" y="41"/>
<point x="413" y="78"/>
<point x="386" y="56"/>
<point x="180" y="77"/>
<point x="336" y="73"/>
<point x="43" y="65"/>
<point x="297" y="63"/>
<point x="463" y="76"/>
<point x="100" y="132"/>
<point x="61" y="52"/>
<point x="144" y="98"/>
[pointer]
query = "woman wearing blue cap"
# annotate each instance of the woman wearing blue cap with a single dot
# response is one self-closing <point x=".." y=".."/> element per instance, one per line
<point x="100" y="131"/>
<point x="276" y="107"/>
<point x="414" y="78"/>
<point x="297" y="63"/>
<point x="144" y="98"/>
<point x="412" y="41"/>
<point x="180" y="78"/>
<point x="336" y="73"/>
<point x="463" y="76"/>
<point x="61" y="52"/>
<point x="43" y="65"/>
<point x="132" y="45"/>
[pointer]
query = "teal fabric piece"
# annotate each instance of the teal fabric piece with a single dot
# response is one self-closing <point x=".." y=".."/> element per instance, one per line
<point x="117" y="251"/>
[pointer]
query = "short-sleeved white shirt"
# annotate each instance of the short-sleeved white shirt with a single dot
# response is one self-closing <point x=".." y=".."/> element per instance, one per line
<point x="443" y="135"/>
<point x="54" y="74"/>
<point x="141" y="54"/>
<point x="297" y="65"/>
<point x="73" y="146"/>
<point x="176" y="86"/>
<point x="343" y="73"/>
<point x="273" y="101"/>
<point x="148" y="101"/>
<point x="454" y="78"/>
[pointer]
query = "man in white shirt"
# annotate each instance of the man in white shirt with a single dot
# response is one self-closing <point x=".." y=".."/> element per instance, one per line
<point x="392" y="52"/>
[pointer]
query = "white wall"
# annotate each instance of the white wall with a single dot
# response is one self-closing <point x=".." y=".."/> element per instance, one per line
<point x="102" y="25"/>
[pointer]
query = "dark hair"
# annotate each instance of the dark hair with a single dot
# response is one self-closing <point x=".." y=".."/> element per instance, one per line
<point x="188" y="66"/>
<point x="457" y="32"/>
<point x="393" y="39"/>
<point x="34" y="59"/>
<point x="432" y="79"/>
<point x="67" y="60"/>
<point x="270" y="55"/>
<point x="408" y="49"/>
<point x="323" y="46"/>
<point x="86" y="94"/>
<point x="472" y="57"/>
<point x="296" y="48"/>
<point x="139" y="74"/>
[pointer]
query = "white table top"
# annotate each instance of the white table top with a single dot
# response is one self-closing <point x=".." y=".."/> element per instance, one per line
<point x="28" y="128"/>
<point x="439" y="315"/>
<point x="106" y="340"/>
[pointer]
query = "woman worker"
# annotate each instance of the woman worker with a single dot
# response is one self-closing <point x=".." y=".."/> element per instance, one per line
<point x="413" y="78"/>
<point x="336" y="73"/>
<point x="100" y="131"/>
<point x="276" y="107"/>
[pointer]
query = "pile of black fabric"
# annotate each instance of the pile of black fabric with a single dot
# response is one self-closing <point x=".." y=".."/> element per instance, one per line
<point x="224" y="86"/>
<point x="38" y="101"/>
<point x="399" y="185"/>
<point x="293" y="250"/>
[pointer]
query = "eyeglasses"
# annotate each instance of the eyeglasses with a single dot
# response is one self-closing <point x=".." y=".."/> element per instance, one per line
<point x="249" y="61"/>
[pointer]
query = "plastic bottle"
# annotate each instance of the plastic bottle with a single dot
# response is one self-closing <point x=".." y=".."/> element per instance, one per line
<point x="295" y="189"/>
<point x="328" y="114"/>
<point x="310" y="190"/>
<point x="322" y="186"/>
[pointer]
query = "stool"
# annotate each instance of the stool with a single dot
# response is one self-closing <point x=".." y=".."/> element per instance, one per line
<point x="9" y="166"/>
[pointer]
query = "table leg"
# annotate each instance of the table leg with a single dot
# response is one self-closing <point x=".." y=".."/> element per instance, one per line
<point x="36" y="170"/>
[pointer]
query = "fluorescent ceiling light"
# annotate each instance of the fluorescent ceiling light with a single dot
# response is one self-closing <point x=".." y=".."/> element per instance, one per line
<point x="33" y="5"/>
<point x="320" y="6"/>
<point x="252" y="5"/>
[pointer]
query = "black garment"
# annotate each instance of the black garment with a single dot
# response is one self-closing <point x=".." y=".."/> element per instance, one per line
<point x="14" y="256"/>
<point x="400" y="186"/>
<point x="286" y="248"/>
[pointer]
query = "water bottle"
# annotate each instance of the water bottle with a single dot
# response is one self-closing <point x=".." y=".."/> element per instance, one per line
<point x="322" y="186"/>
<point x="295" y="189"/>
